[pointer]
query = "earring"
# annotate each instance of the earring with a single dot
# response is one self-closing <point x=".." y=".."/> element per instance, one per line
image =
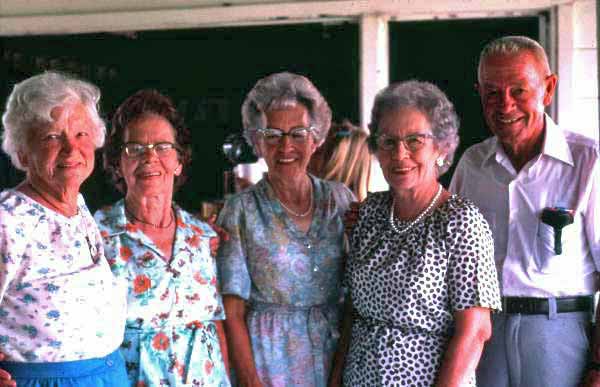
<point x="440" y="162"/>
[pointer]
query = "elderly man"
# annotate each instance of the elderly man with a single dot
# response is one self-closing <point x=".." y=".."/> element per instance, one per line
<point x="531" y="179"/>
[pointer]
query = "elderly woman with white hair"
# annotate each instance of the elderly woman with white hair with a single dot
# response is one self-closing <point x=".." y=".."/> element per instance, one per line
<point x="281" y="267"/>
<point x="421" y="272"/>
<point x="61" y="311"/>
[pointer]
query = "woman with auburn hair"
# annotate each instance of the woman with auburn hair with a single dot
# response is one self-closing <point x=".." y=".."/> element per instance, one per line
<point x="173" y="331"/>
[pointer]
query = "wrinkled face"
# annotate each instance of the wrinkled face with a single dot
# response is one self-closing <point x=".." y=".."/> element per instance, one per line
<point x="151" y="172"/>
<point x="60" y="156"/>
<point x="288" y="157"/>
<point x="402" y="168"/>
<point x="514" y="91"/>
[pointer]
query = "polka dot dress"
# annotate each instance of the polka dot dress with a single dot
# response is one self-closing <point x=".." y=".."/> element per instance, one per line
<point x="406" y="288"/>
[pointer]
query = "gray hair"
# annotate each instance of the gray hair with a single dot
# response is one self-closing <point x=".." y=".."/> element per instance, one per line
<point x="512" y="45"/>
<point x="429" y="100"/>
<point x="31" y="101"/>
<point x="281" y="90"/>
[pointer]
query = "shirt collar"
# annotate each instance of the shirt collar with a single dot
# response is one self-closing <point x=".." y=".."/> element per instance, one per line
<point x="555" y="145"/>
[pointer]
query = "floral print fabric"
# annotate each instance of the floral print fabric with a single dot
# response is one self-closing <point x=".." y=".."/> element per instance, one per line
<point x="291" y="280"/>
<point x="58" y="298"/>
<point x="170" y="336"/>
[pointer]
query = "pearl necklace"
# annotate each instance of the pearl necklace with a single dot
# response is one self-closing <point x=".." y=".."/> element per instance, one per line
<point x="418" y="218"/>
<point x="304" y="214"/>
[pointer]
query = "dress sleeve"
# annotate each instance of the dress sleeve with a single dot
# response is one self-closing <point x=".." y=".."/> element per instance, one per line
<point x="232" y="262"/>
<point x="472" y="278"/>
<point x="10" y="256"/>
<point x="116" y="254"/>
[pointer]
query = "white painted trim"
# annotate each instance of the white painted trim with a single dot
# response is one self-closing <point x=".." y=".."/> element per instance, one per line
<point x="374" y="62"/>
<point x="564" y="53"/>
<point x="135" y="17"/>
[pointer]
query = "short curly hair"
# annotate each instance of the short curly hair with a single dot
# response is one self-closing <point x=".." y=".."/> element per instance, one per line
<point x="30" y="103"/>
<point x="282" y="90"/>
<point x="428" y="99"/>
<point x="136" y="106"/>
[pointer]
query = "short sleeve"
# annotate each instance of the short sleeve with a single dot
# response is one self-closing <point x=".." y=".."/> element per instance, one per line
<point x="472" y="277"/>
<point x="116" y="255"/>
<point x="232" y="262"/>
<point x="342" y="197"/>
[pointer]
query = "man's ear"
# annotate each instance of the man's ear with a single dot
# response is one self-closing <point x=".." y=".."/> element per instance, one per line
<point x="550" y="83"/>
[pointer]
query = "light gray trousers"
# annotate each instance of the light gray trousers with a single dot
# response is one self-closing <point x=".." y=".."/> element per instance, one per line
<point x="548" y="350"/>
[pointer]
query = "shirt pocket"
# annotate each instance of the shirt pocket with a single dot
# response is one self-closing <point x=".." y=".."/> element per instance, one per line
<point x="546" y="260"/>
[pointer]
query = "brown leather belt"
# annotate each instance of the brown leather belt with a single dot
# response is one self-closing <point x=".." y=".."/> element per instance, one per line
<point x="531" y="305"/>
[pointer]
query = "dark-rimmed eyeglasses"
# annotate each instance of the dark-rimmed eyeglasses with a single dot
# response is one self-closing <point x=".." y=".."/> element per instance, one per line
<point x="135" y="149"/>
<point x="412" y="142"/>
<point x="274" y="136"/>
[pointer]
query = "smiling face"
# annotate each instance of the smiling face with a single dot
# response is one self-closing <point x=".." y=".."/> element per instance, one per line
<point x="150" y="174"/>
<point x="60" y="156"/>
<point x="403" y="169"/>
<point x="287" y="158"/>
<point x="514" y="90"/>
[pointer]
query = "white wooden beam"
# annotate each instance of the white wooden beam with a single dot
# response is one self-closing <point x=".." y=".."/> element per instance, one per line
<point x="120" y="15"/>
<point x="374" y="61"/>
<point x="564" y="64"/>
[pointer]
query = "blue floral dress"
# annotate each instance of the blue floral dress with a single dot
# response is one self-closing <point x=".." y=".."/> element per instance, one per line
<point x="291" y="280"/>
<point x="170" y="336"/>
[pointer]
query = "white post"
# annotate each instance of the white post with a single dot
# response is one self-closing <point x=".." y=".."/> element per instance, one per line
<point x="374" y="76"/>
<point x="565" y="65"/>
<point x="374" y="61"/>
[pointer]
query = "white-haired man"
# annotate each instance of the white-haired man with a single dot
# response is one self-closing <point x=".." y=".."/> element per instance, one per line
<point x="538" y="187"/>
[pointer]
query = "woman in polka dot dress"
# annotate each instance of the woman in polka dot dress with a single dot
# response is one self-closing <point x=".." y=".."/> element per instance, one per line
<point x="421" y="273"/>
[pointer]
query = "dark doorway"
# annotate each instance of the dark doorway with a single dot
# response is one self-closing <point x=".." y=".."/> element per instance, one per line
<point x="206" y="72"/>
<point x="446" y="53"/>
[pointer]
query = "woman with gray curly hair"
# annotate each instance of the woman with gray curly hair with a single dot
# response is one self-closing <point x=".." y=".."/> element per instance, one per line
<point x="62" y="312"/>
<point x="281" y="267"/>
<point x="421" y="272"/>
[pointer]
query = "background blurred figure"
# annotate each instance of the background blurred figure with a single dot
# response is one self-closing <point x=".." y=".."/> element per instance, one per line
<point x="344" y="157"/>
<point x="281" y="269"/>
<point x="61" y="311"/>
<point x="174" y="332"/>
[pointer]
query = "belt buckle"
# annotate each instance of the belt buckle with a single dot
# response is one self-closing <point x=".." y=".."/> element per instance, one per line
<point x="519" y="305"/>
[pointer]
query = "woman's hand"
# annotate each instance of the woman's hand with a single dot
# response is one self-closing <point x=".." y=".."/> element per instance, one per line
<point x="5" y="377"/>
<point x="592" y="379"/>
<point x="212" y="221"/>
<point x="337" y="370"/>
<point x="239" y="340"/>
<point x="473" y="327"/>
<point x="351" y="217"/>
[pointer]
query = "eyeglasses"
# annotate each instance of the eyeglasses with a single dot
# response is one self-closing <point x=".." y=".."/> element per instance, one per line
<point x="274" y="136"/>
<point x="412" y="142"/>
<point x="135" y="149"/>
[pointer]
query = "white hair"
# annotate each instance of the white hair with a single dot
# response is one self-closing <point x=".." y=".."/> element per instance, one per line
<point x="511" y="45"/>
<point x="30" y="104"/>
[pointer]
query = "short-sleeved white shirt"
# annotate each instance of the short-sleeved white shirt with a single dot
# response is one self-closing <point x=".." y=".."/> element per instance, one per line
<point x="565" y="174"/>
<point x="58" y="298"/>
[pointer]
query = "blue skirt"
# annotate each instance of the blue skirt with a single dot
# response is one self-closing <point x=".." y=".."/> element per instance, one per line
<point x="108" y="371"/>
